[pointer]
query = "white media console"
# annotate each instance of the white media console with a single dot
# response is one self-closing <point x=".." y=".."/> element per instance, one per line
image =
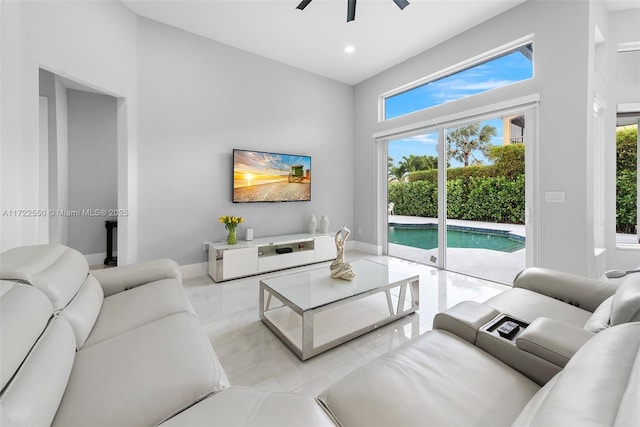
<point x="268" y="254"/>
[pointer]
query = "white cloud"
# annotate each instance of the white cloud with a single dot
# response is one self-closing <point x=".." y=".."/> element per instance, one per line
<point x="425" y="139"/>
<point x="488" y="85"/>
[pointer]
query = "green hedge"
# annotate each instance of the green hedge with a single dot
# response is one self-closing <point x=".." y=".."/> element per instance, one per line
<point x="626" y="179"/>
<point x="453" y="173"/>
<point x="626" y="202"/>
<point x="508" y="162"/>
<point x="484" y="198"/>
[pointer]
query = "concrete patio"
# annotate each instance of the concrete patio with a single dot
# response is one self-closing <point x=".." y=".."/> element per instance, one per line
<point x="487" y="264"/>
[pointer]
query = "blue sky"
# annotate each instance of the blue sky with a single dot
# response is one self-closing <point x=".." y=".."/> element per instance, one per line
<point x="267" y="163"/>
<point x="481" y="78"/>
<point x="427" y="145"/>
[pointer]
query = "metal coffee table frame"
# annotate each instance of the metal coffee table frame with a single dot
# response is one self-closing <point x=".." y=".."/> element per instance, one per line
<point x="308" y="349"/>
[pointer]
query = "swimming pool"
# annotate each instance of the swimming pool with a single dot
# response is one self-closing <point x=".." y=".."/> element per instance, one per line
<point x="426" y="237"/>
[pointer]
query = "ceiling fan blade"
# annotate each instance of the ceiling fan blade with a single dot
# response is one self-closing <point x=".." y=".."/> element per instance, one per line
<point x="303" y="4"/>
<point x="401" y="3"/>
<point x="351" y="10"/>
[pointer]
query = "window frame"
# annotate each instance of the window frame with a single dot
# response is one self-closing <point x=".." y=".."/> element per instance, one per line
<point x="452" y="70"/>
<point x="633" y="111"/>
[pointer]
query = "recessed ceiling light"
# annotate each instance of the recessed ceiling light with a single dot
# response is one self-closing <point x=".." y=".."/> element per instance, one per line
<point x="350" y="49"/>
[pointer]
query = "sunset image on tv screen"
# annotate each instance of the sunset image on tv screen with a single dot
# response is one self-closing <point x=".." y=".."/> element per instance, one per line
<point x="270" y="177"/>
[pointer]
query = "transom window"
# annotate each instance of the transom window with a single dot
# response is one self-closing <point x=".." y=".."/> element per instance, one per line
<point x="506" y="68"/>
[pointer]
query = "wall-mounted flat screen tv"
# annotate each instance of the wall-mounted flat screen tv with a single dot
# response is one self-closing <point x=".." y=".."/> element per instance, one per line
<point x="259" y="176"/>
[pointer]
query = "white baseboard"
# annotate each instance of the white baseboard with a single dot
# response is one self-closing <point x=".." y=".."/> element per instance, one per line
<point x="366" y="247"/>
<point x="194" y="270"/>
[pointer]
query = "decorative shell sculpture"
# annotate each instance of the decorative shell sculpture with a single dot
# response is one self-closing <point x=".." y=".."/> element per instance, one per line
<point x="339" y="268"/>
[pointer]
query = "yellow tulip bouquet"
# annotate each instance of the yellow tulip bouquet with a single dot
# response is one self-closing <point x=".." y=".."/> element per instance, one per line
<point x="230" y="223"/>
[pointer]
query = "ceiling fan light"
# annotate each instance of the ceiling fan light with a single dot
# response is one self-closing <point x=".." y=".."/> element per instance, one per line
<point x="351" y="7"/>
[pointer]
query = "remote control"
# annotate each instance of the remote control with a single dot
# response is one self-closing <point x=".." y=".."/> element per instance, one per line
<point x="508" y="329"/>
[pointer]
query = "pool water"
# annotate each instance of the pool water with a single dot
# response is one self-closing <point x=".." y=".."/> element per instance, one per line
<point x="426" y="237"/>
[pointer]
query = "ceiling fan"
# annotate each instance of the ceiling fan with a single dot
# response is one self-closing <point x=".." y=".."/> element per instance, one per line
<point x="351" y="7"/>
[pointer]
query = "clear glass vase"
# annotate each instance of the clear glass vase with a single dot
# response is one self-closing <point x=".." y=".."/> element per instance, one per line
<point x="231" y="238"/>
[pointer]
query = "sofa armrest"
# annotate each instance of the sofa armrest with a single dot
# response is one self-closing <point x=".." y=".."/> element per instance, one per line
<point x="465" y="319"/>
<point x="118" y="279"/>
<point x="553" y="340"/>
<point x="576" y="290"/>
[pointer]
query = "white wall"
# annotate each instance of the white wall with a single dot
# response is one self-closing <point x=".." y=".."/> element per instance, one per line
<point x="561" y="40"/>
<point x="198" y="100"/>
<point x="598" y="72"/>
<point x="93" y="162"/>
<point x="59" y="231"/>
<point x="91" y="42"/>
<point x="18" y="172"/>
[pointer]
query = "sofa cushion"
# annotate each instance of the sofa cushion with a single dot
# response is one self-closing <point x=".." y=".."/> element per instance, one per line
<point x="56" y="270"/>
<point x="32" y="396"/>
<point x="600" y="386"/>
<point x="24" y="314"/>
<point x="239" y="406"/>
<point x="142" y="376"/>
<point x="528" y="305"/>
<point x="138" y="306"/>
<point x="437" y="379"/>
<point x="625" y="306"/>
<point x="83" y="309"/>
<point x="599" y="320"/>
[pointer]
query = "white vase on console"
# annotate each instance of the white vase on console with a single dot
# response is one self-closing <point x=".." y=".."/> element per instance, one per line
<point x="313" y="224"/>
<point x="324" y="224"/>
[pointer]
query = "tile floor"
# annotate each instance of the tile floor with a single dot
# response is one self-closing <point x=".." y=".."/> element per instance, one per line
<point x="253" y="356"/>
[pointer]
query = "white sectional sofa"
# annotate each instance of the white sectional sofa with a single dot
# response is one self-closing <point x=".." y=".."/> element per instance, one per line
<point x="116" y="347"/>
<point x="442" y="380"/>
<point x="122" y="347"/>
<point x="575" y="300"/>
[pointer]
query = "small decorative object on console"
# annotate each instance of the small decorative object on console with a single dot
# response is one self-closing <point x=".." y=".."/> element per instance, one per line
<point x="313" y="224"/>
<point x="339" y="268"/>
<point x="324" y="224"/>
<point x="230" y="223"/>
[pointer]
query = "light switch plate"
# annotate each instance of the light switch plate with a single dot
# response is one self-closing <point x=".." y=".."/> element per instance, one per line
<point x="554" y="197"/>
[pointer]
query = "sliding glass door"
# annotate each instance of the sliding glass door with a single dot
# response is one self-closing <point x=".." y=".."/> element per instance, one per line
<point x="458" y="198"/>
<point x="412" y="210"/>
<point x="486" y="198"/>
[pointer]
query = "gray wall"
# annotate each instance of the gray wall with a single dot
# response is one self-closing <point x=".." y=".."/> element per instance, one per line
<point x="198" y="100"/>
<point x="560" y="70"/>
<point x="92" y="167"/>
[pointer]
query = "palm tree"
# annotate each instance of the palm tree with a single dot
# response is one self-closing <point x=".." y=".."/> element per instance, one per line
<point x="397" y="172"/>
<point x="393" y="171"/>
<point x="419" y="163"/>
<point x="463" y="141"/>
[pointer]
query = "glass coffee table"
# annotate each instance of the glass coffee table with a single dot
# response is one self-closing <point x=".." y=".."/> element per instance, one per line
<point x="312" y="312"/>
